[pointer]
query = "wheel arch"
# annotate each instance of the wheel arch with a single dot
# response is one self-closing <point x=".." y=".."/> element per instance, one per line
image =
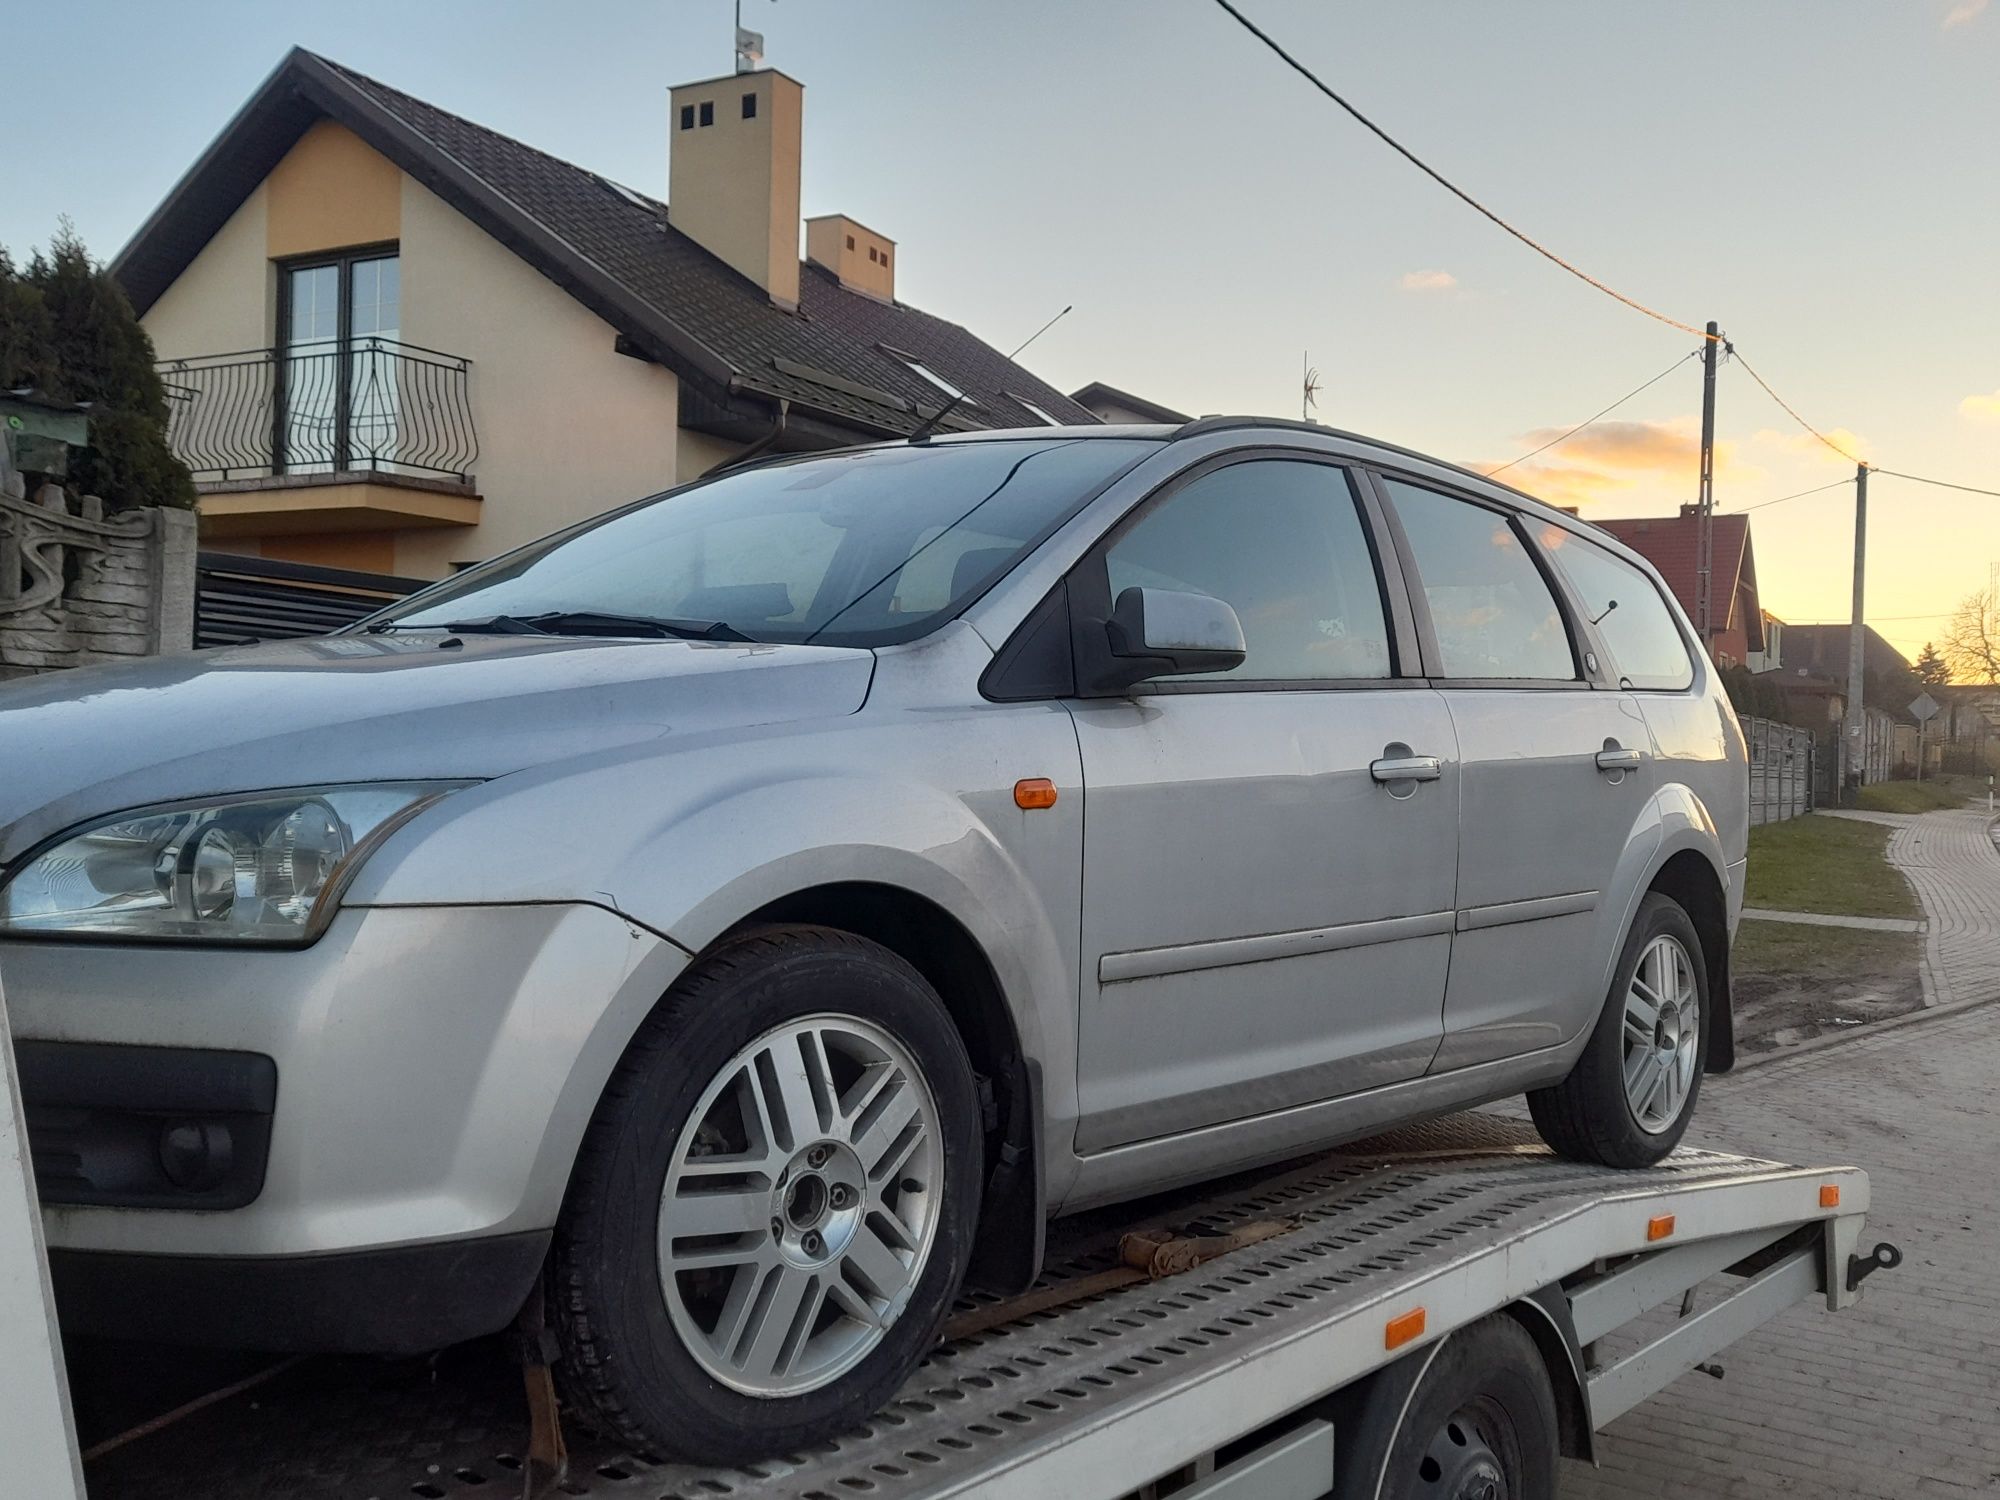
<point x="1689" y="878"/>
<point x="942" y="949"/>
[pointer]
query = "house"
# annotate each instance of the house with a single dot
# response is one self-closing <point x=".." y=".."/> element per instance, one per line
<point x="1673" y="545"/>
<point x="399" y="342"/>
<point x="1773" y="653"/>
<point x="1110" y="404"/>
<point x="1824" y="649"/>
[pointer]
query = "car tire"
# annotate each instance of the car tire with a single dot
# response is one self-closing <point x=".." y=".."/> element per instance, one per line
<point x="1628" y="1099"/>
<point x="803" y="1093"/>
<point x="1475" y="1417"/>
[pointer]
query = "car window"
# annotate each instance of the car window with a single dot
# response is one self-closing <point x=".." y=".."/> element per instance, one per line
<point x="1647" y="647"/>
<point x="1492" y="610"/>
<point x="860" y="547"/>
<point x="1281" y="543"/>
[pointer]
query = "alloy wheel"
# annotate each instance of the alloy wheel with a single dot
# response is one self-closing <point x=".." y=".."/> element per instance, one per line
<point x="1662" y="1034"/>
<point x="801" y="1205"/>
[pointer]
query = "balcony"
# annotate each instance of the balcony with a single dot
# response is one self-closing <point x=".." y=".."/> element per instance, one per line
<point x="364" y="434"/>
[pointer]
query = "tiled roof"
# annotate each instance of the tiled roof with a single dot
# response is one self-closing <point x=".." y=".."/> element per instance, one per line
<point x="614" y="249"/>
<point x="1673" y="545"/>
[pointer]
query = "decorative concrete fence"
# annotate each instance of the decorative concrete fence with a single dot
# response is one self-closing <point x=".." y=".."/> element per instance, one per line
<point x="79" y="587"/>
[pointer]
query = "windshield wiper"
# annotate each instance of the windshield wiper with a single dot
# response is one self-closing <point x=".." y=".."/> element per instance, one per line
<point x="594" y="622"/>
<point x="583" y="622"/>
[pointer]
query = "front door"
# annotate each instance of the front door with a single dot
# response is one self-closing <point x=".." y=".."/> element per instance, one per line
<point x="1555" y="777"/>
<point x="1265" y="922"/>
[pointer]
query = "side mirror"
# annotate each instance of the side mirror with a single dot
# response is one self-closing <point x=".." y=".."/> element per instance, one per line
<point x="1165" y="633"/>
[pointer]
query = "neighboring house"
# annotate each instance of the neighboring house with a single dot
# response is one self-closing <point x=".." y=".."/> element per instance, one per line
<point x="399" y="342"/>
<point x="1823" y="649"/>
<point x="1816" y="701"/>
<point x="1673" y="545"/>
<point x="1110" y="404"/>
<point x="1773" y="653"/>
<point x="1968" y="723"/>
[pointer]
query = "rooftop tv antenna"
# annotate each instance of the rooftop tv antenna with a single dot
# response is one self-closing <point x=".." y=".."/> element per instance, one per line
<point x="1309" y="387"/>
<point x="749" y="44"/>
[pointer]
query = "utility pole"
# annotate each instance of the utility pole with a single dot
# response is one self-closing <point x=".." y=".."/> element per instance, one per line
<point x="1855" y="762"/>
<point x="1704" y="609"/>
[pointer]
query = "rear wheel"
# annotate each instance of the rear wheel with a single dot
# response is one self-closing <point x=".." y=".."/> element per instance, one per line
<point x="774" y="1205"/>
<point x="1628" y="1100"/>
<point x="1480" y="1424"/>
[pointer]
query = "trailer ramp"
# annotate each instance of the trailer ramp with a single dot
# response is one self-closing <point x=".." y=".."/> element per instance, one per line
<point x="1426" y="1229"/>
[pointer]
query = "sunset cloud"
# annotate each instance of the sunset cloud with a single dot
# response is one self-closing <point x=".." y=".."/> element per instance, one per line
<point x="1805" y="445"/>
<point x="1981" y="408"/>
<point x="1964" y="11"/>
<point x="1612" y="459"/>
<point x="1427" y="281"/>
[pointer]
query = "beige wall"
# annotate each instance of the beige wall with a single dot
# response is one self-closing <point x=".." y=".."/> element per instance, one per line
<point x="567" y="427"/>
<point x="699" y="453"/>
<point x="332" y="192"/>
<point x="222" y="303"/>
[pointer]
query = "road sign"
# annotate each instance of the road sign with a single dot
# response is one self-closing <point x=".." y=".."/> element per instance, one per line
<point x="1925" y="708"/>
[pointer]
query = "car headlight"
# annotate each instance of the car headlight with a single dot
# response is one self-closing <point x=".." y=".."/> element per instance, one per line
<point x="264" y="868"/>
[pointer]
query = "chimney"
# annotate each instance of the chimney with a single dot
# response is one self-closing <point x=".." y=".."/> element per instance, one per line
<point x="733" y="174"/>
<point x="861" y="258"/>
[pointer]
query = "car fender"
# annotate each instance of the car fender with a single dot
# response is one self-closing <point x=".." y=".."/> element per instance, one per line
<point x="691" y="843"/>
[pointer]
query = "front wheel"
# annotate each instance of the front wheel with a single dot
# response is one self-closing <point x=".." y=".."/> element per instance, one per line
<point x="774" y="1205"/>
<point x="1628" y="1100"/>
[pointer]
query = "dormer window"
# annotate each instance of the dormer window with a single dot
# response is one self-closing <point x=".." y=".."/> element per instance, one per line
<point x="1034" y="410"/>
<point x="926" y="372"/>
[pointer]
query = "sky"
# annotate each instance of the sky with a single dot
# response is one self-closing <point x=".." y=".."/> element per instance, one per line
<point x="1815" y="175"/>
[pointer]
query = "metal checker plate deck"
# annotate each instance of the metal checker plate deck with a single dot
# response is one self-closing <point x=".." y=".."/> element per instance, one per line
<point x="1371" y="1214"/>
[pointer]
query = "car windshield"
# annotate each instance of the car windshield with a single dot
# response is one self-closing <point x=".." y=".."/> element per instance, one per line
<point x="856" y="548"/>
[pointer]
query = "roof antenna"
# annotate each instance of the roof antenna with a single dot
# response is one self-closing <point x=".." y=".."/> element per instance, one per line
<point x="929" y="424"/>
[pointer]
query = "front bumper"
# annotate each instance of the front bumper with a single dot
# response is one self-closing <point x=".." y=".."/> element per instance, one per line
<point x="435" y="1069"/>
<point x="401" y="1300"/>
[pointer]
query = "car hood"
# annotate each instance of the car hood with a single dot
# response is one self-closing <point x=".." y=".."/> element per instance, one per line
<point x="405" y="706"/>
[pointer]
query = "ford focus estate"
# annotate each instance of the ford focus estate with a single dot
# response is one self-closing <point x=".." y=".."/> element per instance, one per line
<point x="747" y="917"/>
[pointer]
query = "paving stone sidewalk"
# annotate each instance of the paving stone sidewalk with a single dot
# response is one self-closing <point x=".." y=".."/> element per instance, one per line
<point x="1950" y="860"/>
<point x="1895" y="1399"/>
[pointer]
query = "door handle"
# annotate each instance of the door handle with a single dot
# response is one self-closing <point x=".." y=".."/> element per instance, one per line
<point x="1614" y="758"/>
<point x="1406" y="768"/>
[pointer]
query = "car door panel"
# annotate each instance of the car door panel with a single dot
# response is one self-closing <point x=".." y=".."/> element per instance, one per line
<point x="1554" y="774"/>
<point x="1542" y="833"/>
<point x="1265" y="922"/>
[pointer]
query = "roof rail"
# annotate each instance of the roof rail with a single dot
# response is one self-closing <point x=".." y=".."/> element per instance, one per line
<point x="1291" y="424"/>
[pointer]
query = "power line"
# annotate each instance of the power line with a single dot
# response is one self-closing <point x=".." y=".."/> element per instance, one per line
<point x="1547" y="254"/>
<point x="1587" y="421"/>
<point x="1797" y="495"/>
<point x="1943" y="484"/>
<point x="1449" y="186"/>
<point x="1765" y="386"/>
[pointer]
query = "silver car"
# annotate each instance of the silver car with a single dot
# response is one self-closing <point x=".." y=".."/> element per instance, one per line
<point x="746" y="918"/>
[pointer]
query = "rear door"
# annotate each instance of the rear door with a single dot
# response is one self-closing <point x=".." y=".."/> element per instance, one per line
<point x="1556" y="771"/>
<point x="1267" y="898"/>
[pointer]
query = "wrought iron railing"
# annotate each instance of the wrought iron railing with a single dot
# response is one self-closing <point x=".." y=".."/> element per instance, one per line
<point x="324" y="408"/>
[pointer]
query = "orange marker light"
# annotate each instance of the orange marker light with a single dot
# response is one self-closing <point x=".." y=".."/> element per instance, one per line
<point x="1402" y="1328"/>
<point x="1829" y="1195"/>
<point x="1035" y="791"/>
<point x="1660" y="1227"/>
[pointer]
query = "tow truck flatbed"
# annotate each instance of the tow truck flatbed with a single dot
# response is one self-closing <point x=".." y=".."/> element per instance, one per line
<point x="1223" y="1380"/>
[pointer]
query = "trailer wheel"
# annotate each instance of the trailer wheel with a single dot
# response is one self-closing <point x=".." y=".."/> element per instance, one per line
<point x="1475" y="1419"/>
<point x="1628" y="1100"/>
<point x="774" y="1205"/>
